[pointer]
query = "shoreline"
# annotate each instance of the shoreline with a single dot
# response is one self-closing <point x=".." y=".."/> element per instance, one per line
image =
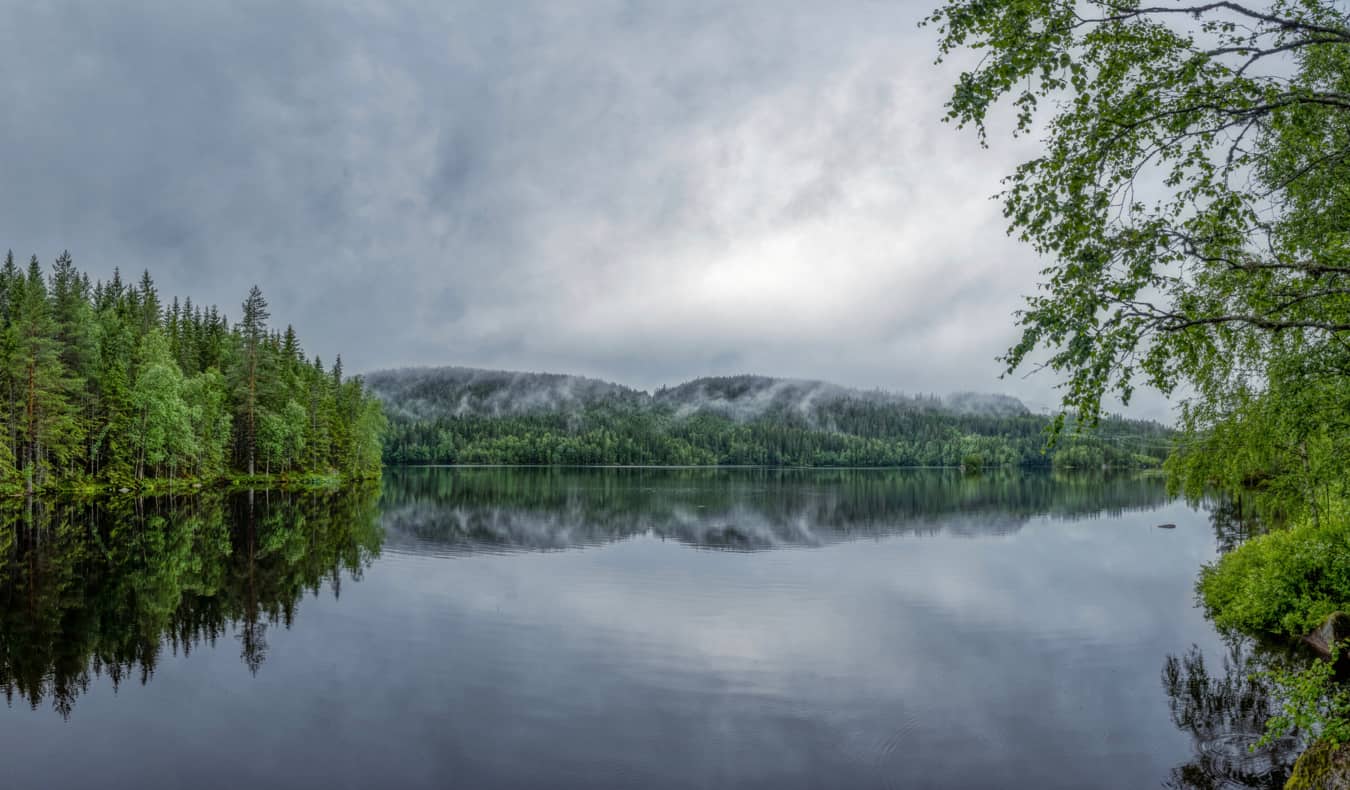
<point x="186" y="485"/>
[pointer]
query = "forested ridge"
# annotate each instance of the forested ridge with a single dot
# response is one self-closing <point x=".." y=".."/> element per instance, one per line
<point x="104" y="383"/>
<point x="465" y="416"/>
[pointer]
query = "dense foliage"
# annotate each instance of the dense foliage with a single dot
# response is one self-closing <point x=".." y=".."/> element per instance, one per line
<point x="1191" y="195"/>
<point x="1283" y="582"/>
<point x="741" y="421"/>
<point x="102" y="382"/>
<point x="1193" y="200"/>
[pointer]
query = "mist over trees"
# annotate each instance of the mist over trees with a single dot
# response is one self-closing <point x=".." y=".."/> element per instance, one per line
<point x="106" y="383"/>
<point x="459" y="415"/>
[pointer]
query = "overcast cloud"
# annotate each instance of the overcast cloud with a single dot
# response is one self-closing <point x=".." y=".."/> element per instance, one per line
<point x="640" y="191"/>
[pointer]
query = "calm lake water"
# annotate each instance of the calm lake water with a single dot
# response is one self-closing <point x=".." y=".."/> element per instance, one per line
<point x="610" y="628"/>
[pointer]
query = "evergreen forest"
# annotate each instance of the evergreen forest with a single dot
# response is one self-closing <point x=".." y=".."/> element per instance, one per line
<point x="461" y="416"/>
<point x="107" y="384"/>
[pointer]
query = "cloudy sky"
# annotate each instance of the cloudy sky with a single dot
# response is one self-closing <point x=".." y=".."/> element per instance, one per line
<point x="640" y="191"/>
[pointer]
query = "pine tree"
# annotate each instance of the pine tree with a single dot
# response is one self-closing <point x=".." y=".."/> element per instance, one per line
<point x="73" y="315"/>
<point x="109" y="455"/>
<point x="253" y="331"/>
<point x="320" y="413"/>
<point x="11" y="288"/>
<point x="147" y="304"/>
<point x="339" y="426"/>
<point x="46" y="428"/>
<point x="189" y="338"/>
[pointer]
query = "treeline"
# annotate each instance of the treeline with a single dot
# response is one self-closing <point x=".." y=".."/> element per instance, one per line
<point x="104" y="383"/>
<point x="843" y="432"/>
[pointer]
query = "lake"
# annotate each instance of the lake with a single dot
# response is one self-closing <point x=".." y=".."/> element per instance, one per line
<point x="623" y="628"/>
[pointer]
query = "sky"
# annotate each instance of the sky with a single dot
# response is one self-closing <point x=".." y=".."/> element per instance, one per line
<point x="644" y="192"/>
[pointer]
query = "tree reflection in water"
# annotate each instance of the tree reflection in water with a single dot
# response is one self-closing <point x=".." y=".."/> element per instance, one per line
<point x="95" y="589"/>
<point x="1233" y="523"/>
<point x="1225" y="715"/>
<point x="467" y="510"/>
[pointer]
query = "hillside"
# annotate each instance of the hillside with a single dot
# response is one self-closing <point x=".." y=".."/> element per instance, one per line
<point x="465" y="415"/>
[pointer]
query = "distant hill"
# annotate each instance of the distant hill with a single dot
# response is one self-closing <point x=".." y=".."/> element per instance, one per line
<point x="467" y="415"/>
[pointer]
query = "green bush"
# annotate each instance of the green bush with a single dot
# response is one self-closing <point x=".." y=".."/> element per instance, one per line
<point x="1283" y="582"/>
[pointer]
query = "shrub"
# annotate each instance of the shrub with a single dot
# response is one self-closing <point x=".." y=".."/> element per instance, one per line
<point x="1283" y="582"/>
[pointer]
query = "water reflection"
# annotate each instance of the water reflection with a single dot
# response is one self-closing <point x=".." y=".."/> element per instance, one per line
<point x="468" y="510"/>
<point x="102" y="588"/>
<point x="1234" y="523"/>
<point x="1224" y="712"/>
<point x="999" y="631"/>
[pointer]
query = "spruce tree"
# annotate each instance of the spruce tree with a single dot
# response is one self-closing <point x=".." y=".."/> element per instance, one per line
<point x="253" y="332"/>
<point x="46" y="428"/>
<point x="147" y="303"/>
<point x="110" y="457"/>
<point x="73" y="316"/>
<point x="11" y="293"/>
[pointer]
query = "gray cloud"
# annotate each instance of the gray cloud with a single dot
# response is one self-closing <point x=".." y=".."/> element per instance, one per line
<point x="639" y="191"/>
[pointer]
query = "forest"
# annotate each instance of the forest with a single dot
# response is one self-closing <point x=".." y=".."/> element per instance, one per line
<point x="105" y="384"/>
<point x="458" y="416"/>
